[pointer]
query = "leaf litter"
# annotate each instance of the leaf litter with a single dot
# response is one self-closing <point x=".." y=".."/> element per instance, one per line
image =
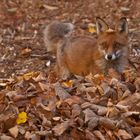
<point x="34" y="105"/>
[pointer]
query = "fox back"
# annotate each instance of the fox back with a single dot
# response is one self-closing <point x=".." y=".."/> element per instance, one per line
<point x="85" y="54"/>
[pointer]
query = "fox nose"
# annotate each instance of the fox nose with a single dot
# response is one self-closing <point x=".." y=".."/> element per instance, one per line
<point x="109" y="56"/>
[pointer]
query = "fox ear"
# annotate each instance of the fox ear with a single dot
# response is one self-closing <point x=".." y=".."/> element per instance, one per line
<point x="101" y="25"/>
<point x="122" y="26"/>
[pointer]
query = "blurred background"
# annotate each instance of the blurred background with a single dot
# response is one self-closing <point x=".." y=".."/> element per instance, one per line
<point x="22" y="23"/>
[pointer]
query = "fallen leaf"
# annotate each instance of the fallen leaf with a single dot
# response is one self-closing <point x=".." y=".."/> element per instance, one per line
<point x="123" y="134"/>
<point x="107" y="123"/>
<point x="91" y="28"/>
<point x="74" y="100"/>
<point x="22" y="118"/>
<point x="137" y="84"/>
<point x="132" y="100"/>
<point x="56" y="118"/>
<point x="27" y="76"/>
<point x="94" y="122"/>
<point x="60" y="128"/>
<point x="99" y="135"/>
<point x="26" y="51"/>
<point x="89" y="114"/>
<point x="28" y="135"/>
<point x="49" y="7"/>
<point x="76" y="110"/>
<point x="43" y="133"/>
<point x="86" y="105"/>
<point x="4" y="137"/>
<point x="90" y="135"/>
<point x="137" y="138"/>
<point x="136" y="130"/>
<point x="14" y="131"/>
<point x="101" y="110"/>
<point x="43" y="86"/>
<point x="68" y="83"/>
<point x="61" y="92"/>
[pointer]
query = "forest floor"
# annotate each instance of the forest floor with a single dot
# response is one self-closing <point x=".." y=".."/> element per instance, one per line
<point x="34" y="105"/>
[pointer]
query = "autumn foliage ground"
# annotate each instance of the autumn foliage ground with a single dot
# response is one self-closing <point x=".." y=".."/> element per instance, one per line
<point x="34" y="105"/>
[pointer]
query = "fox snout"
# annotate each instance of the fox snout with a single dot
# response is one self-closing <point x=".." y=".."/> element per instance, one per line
<point x="114" y="55"/>
<point x="110" y="56"/>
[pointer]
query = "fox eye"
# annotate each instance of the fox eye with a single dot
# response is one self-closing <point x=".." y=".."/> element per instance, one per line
<point x="104" y="45"/>
<point x="118" y="45"/>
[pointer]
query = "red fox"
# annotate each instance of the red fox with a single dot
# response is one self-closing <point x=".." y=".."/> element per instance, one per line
<point x="83" y="55"/>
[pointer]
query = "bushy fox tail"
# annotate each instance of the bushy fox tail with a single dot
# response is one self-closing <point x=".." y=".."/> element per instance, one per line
<point x="56" y="32"/>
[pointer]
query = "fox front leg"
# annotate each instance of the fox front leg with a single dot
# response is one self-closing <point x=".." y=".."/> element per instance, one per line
<point x="62" y="69"/>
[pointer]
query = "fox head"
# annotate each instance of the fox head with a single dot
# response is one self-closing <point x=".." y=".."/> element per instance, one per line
<point x="112" y="44"/>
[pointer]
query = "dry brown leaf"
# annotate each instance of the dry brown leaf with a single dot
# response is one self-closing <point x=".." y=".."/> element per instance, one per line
<point x="130" y="113"/>
<point x="136" y="130"/>
<point x="96" y="79"/>
<point x="111" y="93"/>
<point x="44" y="87"/>
<point x="35" y="137"/>
<point x="76" y="110"/>
<point x="86" y="105"/>
<point x="89" y="114"/>
<point x="131" y="87"/>
<point x="49" y="7"/>
<point x="86" y="88"/>
<point x="77" y="134"/>
<point x="132" y="100"/>
<point x="56" y="118"/>
<point x="45" y="120"/>
<point x="90" y="135"/>
<point x="122" y="108"/>
<point x="107" y="123"/>
<point x="100" y="90"/>
<point x="137" y="84"/>
<point x="14" y="131"/>
<point x="2" y="95"/>
<point x="61" y="92"/>
<point x="22" y="130"/>
<point x="44" y="133"/>
<point x="137" y="138"/>
<point x="93" y="123"/>
<point x="39" y="77"/>
<point x="74" y="100"/>
<point x="124" y="135"/>
<point x="80" y="121"/>
<point x="60" y="128"/>
<point x="99" y="135"/>
<point x="44" y="107"/>
<point x="28" y="135"/>
<point x="5" y="82"/>
<point x="101" y="110"/>
<point x="26" y="51"/>
<point x="110" y="134"/>
<point x="4" y="137"/>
